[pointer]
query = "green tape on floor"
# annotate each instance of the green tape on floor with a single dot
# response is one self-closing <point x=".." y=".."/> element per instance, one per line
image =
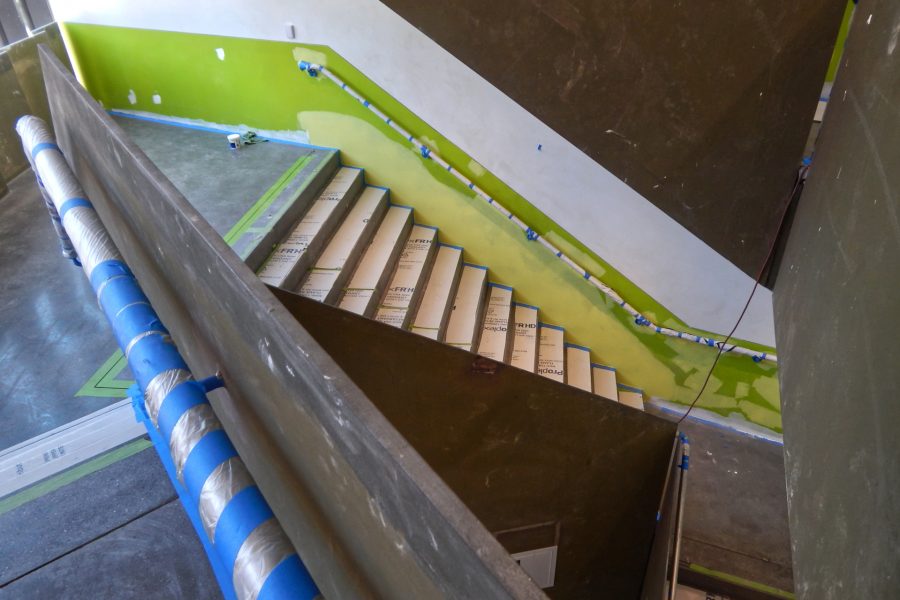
<point x="75" y="473"/>
<point x="746" y="583"/>
<point x="103" y="383"/>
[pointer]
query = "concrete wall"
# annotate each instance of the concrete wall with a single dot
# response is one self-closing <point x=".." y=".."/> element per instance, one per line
<point x="836" y="302"/>
<point x="656" y="253"/>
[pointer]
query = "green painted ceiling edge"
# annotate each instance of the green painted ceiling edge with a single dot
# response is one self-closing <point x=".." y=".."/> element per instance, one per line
<point x="112" y="61"/>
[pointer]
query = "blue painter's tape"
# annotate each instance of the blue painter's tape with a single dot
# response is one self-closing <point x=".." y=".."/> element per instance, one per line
<point x="450" y="246"/>
<point x="425" y="151"/>
<point x="150" y="356"/>
<point x="211" y="383"/>
<point x="522" y="304"/>
<point x="116" y="113"/>
<point x="212" y="450"/>
<point x="134" y="320"/>
<point x="549" y="326"/>
<point x="759" y="358"/>
<point x="120" y="291"/>
<point x="577" y="347"/>
<point x="604" y="367"/>
<point x="343" y="86"/>
<point x="510" y="216"/>
<point x="499" y="285"/>
<point x="659" y="330"/>
<point x="403" y="206"/>
<point x="449" y="168"/>
<point x="246" y="511"/>
<point x="387" y="121"/>
<point x="73" y="203"/>
<point x="109" y="269"/>
<point x="185" y="396"/>
<point x="426" y="226"/>
<point x="642" y="321"/>
<point x="490" y="200"/>
<point x="410" y="138"/>
<point x="531" y="235"/>
<point x="43" y="146"/>
<point x="471" y="185"/>
<point x="628" y="388"/>
<point x="482" y="267"/>
<point x="587" y="275"/>
<point x="288" y="580"/>
<point x="559" y="254"/>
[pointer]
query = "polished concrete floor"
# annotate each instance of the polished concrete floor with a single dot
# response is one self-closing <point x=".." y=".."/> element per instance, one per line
<point x="118" y="531"/>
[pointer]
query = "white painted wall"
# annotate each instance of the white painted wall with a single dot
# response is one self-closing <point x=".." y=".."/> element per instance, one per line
<point x="620" y="225"/>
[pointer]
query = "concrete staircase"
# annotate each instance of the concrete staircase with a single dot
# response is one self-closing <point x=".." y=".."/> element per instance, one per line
<point x="352" y="248"/>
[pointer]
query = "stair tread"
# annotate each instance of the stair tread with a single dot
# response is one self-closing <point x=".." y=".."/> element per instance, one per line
<point x="346" y="243"/>
<point x="524" y="350"/>
<point x="466" y="307"/>
<point x="408" y="277"/>
<point x="439" y="292"/>
<point x="363" y="285"/>
<point x="285" y="264"/>
<point x="578" y="367"/>
<point x="551" y="352"/>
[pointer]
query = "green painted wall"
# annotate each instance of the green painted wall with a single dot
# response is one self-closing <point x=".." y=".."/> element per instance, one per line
<point x="258" y="84"/>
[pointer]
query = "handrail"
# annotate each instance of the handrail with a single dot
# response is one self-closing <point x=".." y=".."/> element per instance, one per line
<point x="313" y="70"/>
<point x="245" y="535"/>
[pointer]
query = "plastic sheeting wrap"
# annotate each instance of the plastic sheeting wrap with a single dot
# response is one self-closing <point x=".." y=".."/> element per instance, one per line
<point x="247" y="542"/>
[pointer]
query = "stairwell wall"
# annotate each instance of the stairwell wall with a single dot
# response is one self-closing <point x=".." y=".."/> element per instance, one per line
<point x="243" y="80"/>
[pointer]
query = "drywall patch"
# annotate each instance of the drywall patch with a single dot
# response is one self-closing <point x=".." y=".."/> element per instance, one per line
<point x="157" y="99"/>
<point x="319" y="58"/>
<point x="220" y="53"/>
<point x="132" y="97"/>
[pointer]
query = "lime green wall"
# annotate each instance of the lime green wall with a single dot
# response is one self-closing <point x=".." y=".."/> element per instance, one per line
<point x="258" y="83"/>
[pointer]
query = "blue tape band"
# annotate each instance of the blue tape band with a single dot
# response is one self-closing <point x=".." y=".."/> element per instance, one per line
<point x="44" y="146"/>
<point x="628" y="388"/>
<point x="587" y="275"/>
<point x="490" y="200"/>
<point x="211" y="451"/>
<point x="549" y="326"/>
<point x="471" y="185"/>
<point x="499" y="285"/>
<point x="450" y="246"/>
<point x="522" y="304"/>
<point x="107" y="270"/>
<point x="185" y="396"/>
<point x="604" y="367"/>
<point x="246" y="511"/>
<point x="482" y="267"/>
<point x="152" y="355"/>
<point x="577" y="347"/>
<point x="531" y="235"/>
<point x="288" y="580"/>
<point x="559" y="254"/>
<point x="73" y="203"/>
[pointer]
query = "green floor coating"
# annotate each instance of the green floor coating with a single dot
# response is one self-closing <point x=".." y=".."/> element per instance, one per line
<point x="258" y="83"/>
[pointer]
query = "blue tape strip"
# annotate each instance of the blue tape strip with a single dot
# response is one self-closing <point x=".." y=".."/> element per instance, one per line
<point x="577" y="347"/>
<point x="288" y="580"/>
<point x="212" y="450"/>
<point x="450" y="246"/>
<point x="628" y="388"/>
<point x="152" y="355"/>
<point x="604" y="367"/>
<point x="184" y="397"/>
<point x="549" y="326"/>
<point x="482" y="267"/>
<point x="246" y="511"/>
<point x="531" y="235"/>
<point x="133" y="320"/>
<point x="499" y="285"/>
<point x="43" y="146"/>
<point x="531" y="306"/>
<point x="107" y="270"/>
<point x="73" y="203"/>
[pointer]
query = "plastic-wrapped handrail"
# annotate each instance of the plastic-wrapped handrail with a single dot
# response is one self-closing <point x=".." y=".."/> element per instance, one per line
<point x="238" y="522"/>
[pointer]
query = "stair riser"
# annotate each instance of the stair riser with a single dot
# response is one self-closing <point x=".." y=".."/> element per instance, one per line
<point x="466" y="316"/>
<point x="525" y="338"/>
<point x="346" y="248"/>
<point x="375" y="267"/>
<point x="496" y="331"/>
<point x="433" y="312"/>
<point x="407" y="282"/>
<point x="295" y="254"/>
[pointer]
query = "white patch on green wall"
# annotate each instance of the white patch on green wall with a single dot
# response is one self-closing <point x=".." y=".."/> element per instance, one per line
<point x="312" y="56"/>
<point x="157" y="99"/>
<point x="132" y="97"/>
<point x="475" y="168"/>
<point x="220" y="53"/>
